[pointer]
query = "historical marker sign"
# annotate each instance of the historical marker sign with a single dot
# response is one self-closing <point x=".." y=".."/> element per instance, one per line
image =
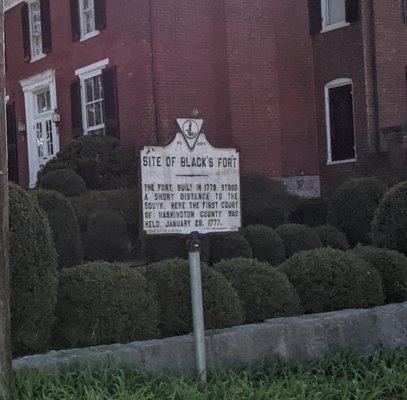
<point x="190" y="186"/>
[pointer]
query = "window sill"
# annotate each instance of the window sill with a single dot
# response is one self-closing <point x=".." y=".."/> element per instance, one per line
<point x="37" y="58"/>
<point x="89" y="36"/>
<point x="334" y="26"/>
<point x="352" y="160"/>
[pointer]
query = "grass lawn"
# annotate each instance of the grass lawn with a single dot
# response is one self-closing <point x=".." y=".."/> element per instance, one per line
<point x="342" y="376"/>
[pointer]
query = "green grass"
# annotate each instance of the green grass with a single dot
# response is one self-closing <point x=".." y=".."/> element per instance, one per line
<point x="342" y="377"/>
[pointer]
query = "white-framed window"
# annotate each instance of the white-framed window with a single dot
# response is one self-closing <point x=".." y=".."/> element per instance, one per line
<point x="340" y="121"/>
<point x="87" y="19"/>
<point x="34" y="15"/>
<point x="92" y="98"/>
<point x="333" y="14"/>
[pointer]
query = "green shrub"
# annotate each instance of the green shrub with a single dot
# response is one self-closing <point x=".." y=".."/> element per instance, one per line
<point x="101" y="161"/>
<point x="297" y="238"/>
<point x="167" y="247"/>
<point x="264" y="291"/>
<point x="171" y="281"/>
<point x="106" y="237"/>
<point x="392" y="267"/>
<point x="102" y="303"/>
<point x="232" y="245"/>
<point x="122" y="201"/>
<point x="330" y="280"/>
<point x="311" y="212"/>
<point x="34" y="282"/>
<point x="266" y="244"/>
<point x="332" y="237"/>
<point x="64" y="227"/>
<point x="352" y="206"/>
<point x="265" y="202"/>
<point x="63" y="181"/>
<point x="389" y="226"/>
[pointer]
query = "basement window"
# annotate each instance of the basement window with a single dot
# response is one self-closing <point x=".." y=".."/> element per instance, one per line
<point x="340" y="126"/>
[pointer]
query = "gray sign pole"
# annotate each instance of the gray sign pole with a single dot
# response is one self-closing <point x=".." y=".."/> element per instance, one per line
<point x="197" y="306"/>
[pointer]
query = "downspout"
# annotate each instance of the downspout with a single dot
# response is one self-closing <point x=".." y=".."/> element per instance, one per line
<point x="153" y="75"/>
<point x="372" y="44"/>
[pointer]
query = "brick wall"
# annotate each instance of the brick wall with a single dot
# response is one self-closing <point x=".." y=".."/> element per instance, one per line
<point x="247" y="66"/>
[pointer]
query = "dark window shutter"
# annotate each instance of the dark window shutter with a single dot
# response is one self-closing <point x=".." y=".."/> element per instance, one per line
<point x="100" y="14"/>
<point x="76" y="109"/>
<point x="46" y="27"/>
<point x="404" y="10"/>
<point x="75" y="20"/>
<point x="109" y="76"/>
<point x="26" y="31"/>
<point x="352" y="11"/>
<point x="12" y="143"/>
<point x="315" y="16"/>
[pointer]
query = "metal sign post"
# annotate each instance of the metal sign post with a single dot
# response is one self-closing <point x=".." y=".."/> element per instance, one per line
<point x="197" y="306"/>
<point x="190" y="187"/>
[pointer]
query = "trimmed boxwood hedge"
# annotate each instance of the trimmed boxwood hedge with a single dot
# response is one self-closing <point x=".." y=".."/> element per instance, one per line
<point x="64" y="181"/>
<point x="265" y="201"/>
<point x="171" y="282"/>
<point x="102" y="303"/>
<point x="266" y="244"/>
<point x="167" y="247"/>
<point x="310" y="212"/>
<point x="64" y="227"/>
<point x="297" y="238"/>
<point x="392" y="267"/>
<point x="100" y="160"/>
<point x="352" y="206"/>
<point x="389" y="226"/>
<point x="34" y="281"/>
<point x="228" y="245"/>
<point x="332" y="237"/>
<point x="106" y="237"/>
<point x="264" y="291"/>
<point x="122" y="201"/>
<point x="331" y="280"/>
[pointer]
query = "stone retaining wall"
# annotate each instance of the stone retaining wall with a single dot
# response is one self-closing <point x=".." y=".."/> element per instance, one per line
<point x="304" y="337"/>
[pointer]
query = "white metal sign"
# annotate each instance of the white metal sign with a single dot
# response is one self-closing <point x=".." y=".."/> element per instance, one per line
<point x="190" y="186"/>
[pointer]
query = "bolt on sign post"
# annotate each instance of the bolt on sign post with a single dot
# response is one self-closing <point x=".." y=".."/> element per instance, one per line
<point x="190" y="187"/>
<point x="5" y="345"/>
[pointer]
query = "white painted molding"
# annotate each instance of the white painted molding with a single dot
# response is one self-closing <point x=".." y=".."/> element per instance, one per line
<point x="8" y="4"/>
<point x="33" y="82"/>
<point x="92" y="68"/>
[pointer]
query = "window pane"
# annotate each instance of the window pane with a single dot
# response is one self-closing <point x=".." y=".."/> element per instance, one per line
<point x="89" y="90"/>
<point x="43" y="101"/>
<point x="98" y="113"/>
<point x="336" y="11"/>
<point x="50" y="139"/>
<point x="40" y="140"/>
<point x="91" y="115"/>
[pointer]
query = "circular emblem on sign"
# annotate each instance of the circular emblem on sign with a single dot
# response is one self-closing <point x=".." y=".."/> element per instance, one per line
<point x="190" y="129"/>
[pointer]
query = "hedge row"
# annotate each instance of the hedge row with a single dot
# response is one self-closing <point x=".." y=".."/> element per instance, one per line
<point x="107" y="303"/>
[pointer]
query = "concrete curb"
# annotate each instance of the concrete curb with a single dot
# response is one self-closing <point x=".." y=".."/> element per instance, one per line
<point x="304" y="337"/>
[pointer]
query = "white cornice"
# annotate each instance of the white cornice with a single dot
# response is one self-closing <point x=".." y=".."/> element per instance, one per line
<point x="11" y="3"/>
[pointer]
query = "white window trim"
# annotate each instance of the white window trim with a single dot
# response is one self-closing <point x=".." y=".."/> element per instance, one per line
<point x="330" y="85"/>
<point x="88" y="35"/>
<point x="39" y="56"/>
<point x="85" y="73"/>
<point x="331" y="27"/>
<point x="29" y="87"/>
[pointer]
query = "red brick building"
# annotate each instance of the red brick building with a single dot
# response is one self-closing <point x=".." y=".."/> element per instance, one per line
<point x="311" y="92"/>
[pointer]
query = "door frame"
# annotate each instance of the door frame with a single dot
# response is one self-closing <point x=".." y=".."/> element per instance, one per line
<point x="30" y="86"/>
